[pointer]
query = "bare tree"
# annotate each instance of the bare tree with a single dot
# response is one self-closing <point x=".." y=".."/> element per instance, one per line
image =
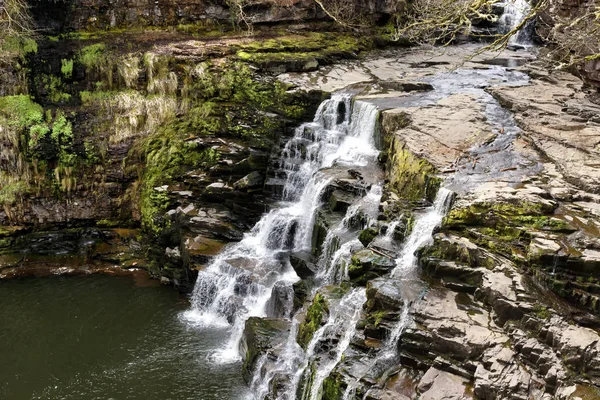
<point x="442" y="21"/>
<point x="15" y="20"/>
<point x="574" y="34"/>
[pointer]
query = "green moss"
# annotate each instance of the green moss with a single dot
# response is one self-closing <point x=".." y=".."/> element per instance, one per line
<point x="411" y="177"/>
<point x="11" y="192"/>
<point x="367" y="235"/>
<point x="166" y="156"/>
<point x="377" y="316"/>
<point x="302" y="48"/>
<point x="18" y="46"/>
<point x="106" y="223"/>
<point x="332" y="389"/>
<point x="541" y="311"/>
<point x="66" y="68"/>
<point x="92" y="55"/>
<point x="520" y="213"/>
<point x="21" y="111"/>
<point x="54" y="88"/>
<point x="543" y="223"/>
<point x="314" y="318"/>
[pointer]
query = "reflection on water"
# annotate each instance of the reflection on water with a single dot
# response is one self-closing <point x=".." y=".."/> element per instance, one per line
<point x="101" y="337"/>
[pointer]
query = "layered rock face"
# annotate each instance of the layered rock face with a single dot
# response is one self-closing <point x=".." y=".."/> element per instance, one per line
<point x="100" y="135"/>
<point x="99" y="14"/>
<point x="92" y="15"/>
<point x="504" y="301"/>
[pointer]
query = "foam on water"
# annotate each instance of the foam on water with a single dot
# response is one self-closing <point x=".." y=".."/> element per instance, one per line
<point x="238" y="283"/>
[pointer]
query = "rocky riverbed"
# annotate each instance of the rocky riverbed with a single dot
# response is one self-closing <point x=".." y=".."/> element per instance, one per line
<point x="432" y="233"/>
<point x="504" y="302"/>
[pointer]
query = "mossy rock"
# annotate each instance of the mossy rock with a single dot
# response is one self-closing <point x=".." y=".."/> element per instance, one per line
<point x="367" y="236"/>
<point x="367" y="265"/>
<point x="316" y="315"/>
<point x="260" y="336"/>
<point x="411" y="177"/>
<point x="333" y="388"/>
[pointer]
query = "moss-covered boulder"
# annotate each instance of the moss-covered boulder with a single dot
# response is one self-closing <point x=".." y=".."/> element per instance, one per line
<point x="316" y="315"/>
<point x="261" y="335"/>
<point x="366" y="236"/>
<point x="366" y="264"/>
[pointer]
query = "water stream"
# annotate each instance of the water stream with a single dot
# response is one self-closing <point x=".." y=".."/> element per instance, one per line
<point x="238" y="283"/>
<point x="515" y="11"/>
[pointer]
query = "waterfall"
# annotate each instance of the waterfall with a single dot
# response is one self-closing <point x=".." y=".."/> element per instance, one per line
<point x="341" y="323"/>
<point x="238" y="283"/>
<point x="422" y="232"/>
<point x="406" y="264"/>
<point x="515" y="11"/>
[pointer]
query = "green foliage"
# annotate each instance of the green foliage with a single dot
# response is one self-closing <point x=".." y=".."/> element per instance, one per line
<point x="21" y="111"/>
<point x="541" y="311"/>
<point x="89" y="98"/>
<point x="66" y="68"/>
<point x="10" y="193"/>
<point x="54" y="88"/>
<point x="166" y="156"/>
<point x="62" y="136"/>
<point x="18" y="46"/>
<point x="37" y="133"/>
<point x="92" y="56"/>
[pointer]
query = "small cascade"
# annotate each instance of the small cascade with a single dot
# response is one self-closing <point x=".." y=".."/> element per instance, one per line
<point x="239" y="282"/>
<point x="364" y="210"/>
<point x="515" y="11"/>
<point x="341" y="324"/>
<point x="406" y="265"/>
<point x="389" y="234"/>
<point x="422" y="232"/>
<point x="291" y="356"/>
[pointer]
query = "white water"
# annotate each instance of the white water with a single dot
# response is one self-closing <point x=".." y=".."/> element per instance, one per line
<point x="421" y="233"/>
<point x="238" y="284"/>
<point x="515" y="12"/>
<point x="341" y="323"/>
<point x="334" y="254"/>
<point x="389" y="234"/>
<point x="406" y="264"/>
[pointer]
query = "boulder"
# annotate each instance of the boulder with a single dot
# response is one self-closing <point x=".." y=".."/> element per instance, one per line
<point x="385" y="294"/>
<point x="366" y="265"/>
<point x="260" y="336"/>
<point x="281" y="302"/>
<point x="436" y="385"/>
<point x="253" y="180"/>
<point x="303" y="264"/>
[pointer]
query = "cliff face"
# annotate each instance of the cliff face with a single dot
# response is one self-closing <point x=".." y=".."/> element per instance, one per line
<point x="104" y="14"/>
<point x="77" y="15"/>
<point x="174" y="134"/>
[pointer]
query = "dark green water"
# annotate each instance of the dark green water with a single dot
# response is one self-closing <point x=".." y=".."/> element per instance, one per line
<point x="103" y="337"/>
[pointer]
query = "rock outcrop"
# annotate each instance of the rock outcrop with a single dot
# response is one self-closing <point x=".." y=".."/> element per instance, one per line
<point x="510" y="309"/>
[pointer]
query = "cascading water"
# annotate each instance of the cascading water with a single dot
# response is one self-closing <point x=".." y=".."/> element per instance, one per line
<point x="515" y="11"/>
<point x="239" y="282"/>
<point x="406" y="265"/>
<point x="422" y="232"/>
<point x="331" y="257"/>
